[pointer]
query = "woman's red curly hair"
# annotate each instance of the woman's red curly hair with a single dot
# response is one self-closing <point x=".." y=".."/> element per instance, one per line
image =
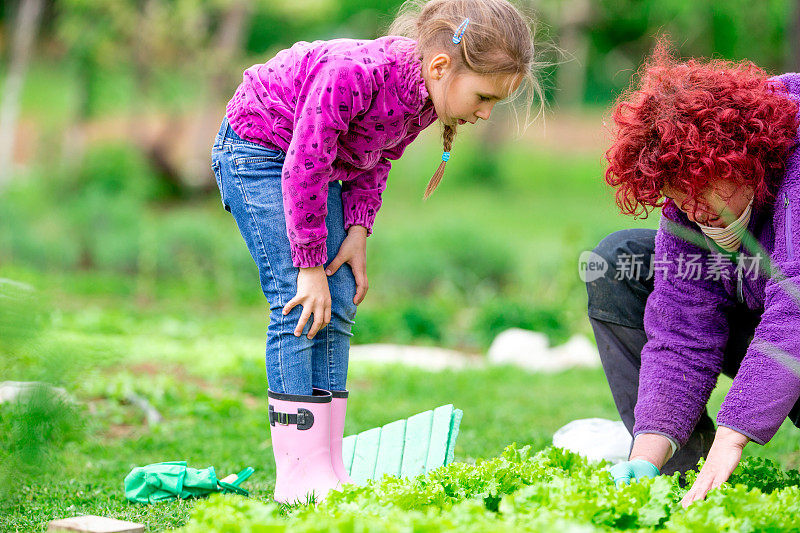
<point x="688" y="123"/>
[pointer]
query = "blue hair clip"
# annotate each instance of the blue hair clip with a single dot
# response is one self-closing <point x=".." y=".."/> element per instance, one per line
<point x="445" y="156"/>
<point x="460" y="31"/>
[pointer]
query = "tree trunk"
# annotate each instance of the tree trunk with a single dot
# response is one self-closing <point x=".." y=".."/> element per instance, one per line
<point x="192" y="169"/>
<point x="575" y="17"/>
<point x="228" y="44"/>
<point x="26" y="27"/>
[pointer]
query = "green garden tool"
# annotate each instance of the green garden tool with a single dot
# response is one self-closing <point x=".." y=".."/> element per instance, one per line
<point x="163" y="481"/>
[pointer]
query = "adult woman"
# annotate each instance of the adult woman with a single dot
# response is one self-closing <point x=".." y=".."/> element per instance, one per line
<point x="714" y="289"/>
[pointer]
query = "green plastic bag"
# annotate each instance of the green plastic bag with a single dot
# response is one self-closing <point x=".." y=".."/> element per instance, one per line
<point x="162" y="481"/>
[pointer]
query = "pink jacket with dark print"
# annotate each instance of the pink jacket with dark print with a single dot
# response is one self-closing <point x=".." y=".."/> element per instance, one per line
<point x="340" y="109"/>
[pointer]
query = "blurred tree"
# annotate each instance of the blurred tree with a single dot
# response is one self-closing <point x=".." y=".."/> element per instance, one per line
<point x="95" y="33"/>
<point x="206" y="43"/>
<point x="26" y="26"/>
<point x="366" y="18"/>
<point x="216" y="66"/>
<point x="157" y="38"/>
<point x="575" y="18"/>
<point x="793" y="60"/>
<point x="623" y="31"/>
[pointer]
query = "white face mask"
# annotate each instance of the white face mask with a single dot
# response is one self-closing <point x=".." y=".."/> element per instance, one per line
<point x="730" y="238"/>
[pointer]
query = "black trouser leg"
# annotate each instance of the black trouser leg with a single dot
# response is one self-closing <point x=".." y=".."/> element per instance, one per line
<point x="620" y="350"/>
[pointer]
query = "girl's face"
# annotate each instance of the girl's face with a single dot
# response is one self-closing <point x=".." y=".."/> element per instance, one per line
<point x="717" y="206"/>
<point x="464" y="96"/>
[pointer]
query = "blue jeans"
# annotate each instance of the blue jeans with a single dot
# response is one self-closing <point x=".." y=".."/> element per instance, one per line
<point x="249" y="180"/>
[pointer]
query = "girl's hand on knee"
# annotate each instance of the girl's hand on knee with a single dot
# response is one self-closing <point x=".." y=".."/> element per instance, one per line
<point x="353" y="251"/>
<point x="315" y="297"/>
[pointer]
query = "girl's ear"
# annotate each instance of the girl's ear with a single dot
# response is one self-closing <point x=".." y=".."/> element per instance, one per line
<point x="439" y="65"/>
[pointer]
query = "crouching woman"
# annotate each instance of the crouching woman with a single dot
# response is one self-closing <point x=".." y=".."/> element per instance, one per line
<point x="716" y="289"/>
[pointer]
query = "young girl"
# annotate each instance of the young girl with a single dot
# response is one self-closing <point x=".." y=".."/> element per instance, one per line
<point x="301" y="160"/>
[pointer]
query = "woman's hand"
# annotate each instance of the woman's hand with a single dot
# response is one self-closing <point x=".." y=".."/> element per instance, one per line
<point x="627" y="471"/>
<point x="354" y="252"/>
<point x="723" y="457"/>
<point x="649" y="453"/>
<point x="315" y="297"/>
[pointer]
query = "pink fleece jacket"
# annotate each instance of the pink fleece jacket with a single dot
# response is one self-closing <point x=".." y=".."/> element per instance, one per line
<point x="340" y="110"/>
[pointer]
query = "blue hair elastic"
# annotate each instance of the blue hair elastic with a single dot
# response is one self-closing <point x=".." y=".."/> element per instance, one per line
<point x="445" y="156"/>
<point x="460" y="31"/>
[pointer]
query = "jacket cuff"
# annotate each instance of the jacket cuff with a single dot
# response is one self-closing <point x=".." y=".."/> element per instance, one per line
<point x="310" y="255"/>
<point x="360" y="214"/>
<point x="673" y="430"/>
<point x="673" y="443"/>
<point x="758" y="439"/>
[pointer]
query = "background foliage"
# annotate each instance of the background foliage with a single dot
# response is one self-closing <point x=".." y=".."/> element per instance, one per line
<point x="121" y="274"/>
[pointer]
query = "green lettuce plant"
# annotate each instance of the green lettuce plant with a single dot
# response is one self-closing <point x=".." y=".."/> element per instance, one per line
<point x="553" y="490"/>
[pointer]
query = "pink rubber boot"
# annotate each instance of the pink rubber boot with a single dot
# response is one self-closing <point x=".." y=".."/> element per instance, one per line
<point x="301" y="442"/>
<point x="338" y="412"/>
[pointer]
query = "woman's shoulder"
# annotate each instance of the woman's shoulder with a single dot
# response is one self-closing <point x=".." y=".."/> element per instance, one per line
<point x="671" y="212"/>
<point x="790" y="81"/>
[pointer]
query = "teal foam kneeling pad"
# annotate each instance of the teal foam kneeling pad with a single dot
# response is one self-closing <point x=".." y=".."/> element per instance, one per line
<point x="390" y="452"/>
<point x="440" y="433"/>
<point x="416" y="442"/>
<point x="403" y="448"/>
<point x="455" y="425"/>
<point x="365" y="456"/>
<point x="348" y="451"/>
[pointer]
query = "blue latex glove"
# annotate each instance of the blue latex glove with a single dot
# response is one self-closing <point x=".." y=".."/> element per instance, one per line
<point x="626" y="471"/>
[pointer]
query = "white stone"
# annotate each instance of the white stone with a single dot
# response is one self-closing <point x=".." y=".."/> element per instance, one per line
<point x="531" y="350"/>
<point x="11" y="390"/>
<point x="577" y="351"/>
<point x="522" y="348"/>
<point x="425" y="357"/>
<point x="595" y="439"/>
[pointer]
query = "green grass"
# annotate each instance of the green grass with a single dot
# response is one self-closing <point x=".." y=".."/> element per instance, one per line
<point x="181" y="322"/>
<point x="212" y="395"/>
<point x="202" y="367"/>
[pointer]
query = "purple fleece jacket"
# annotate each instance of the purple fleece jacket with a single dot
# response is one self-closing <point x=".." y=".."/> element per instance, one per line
<point x="687" y="330"/>
<point x="340" y="109"/>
